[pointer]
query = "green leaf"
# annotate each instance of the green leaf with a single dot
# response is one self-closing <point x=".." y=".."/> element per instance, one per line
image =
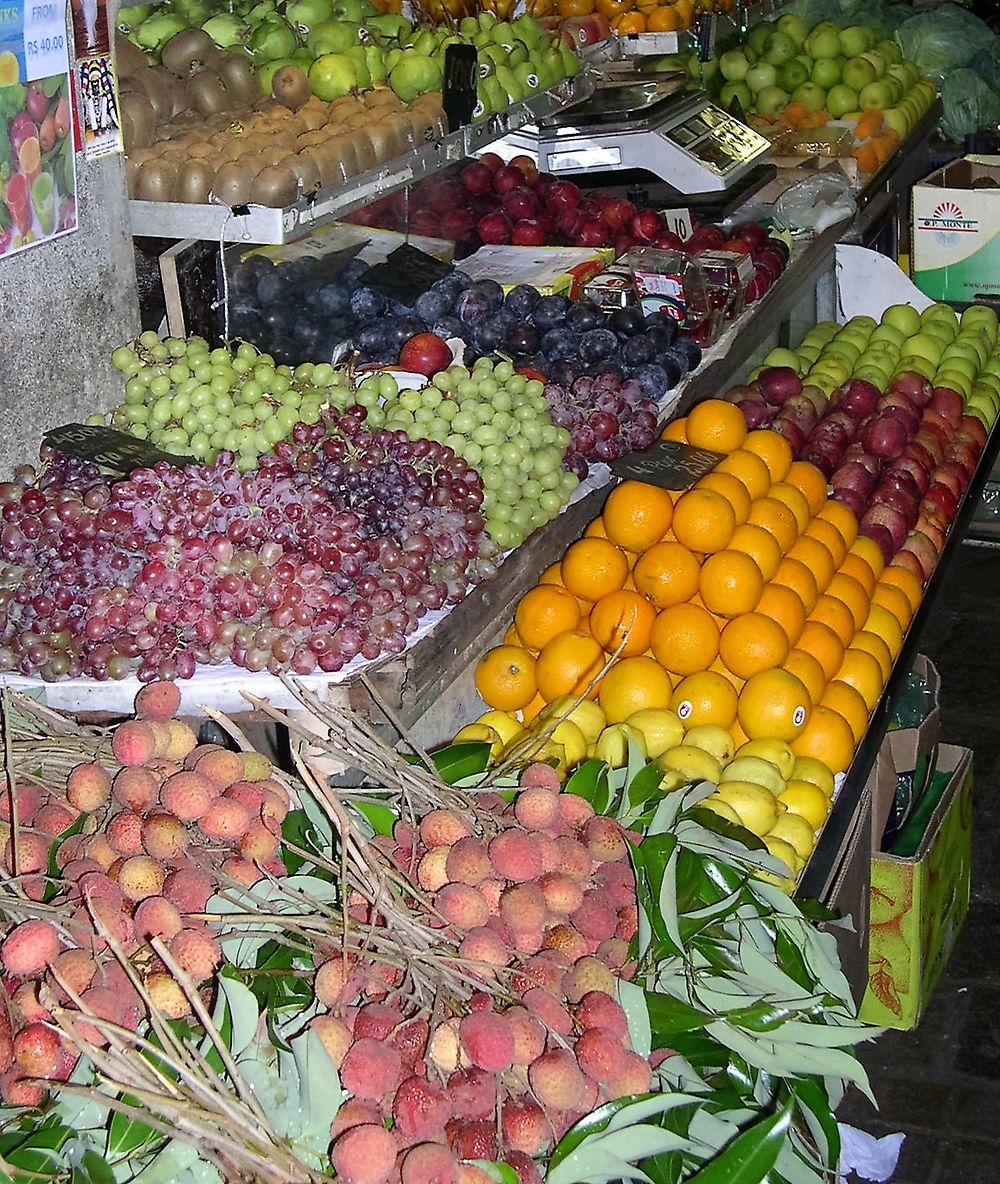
<point x="670" y="1018"/>
<point x="126" y="1135"/>
<point x="503" y="1173"/>
<point x="92" y="1169"/>
<point x="751" y="1155"/>
<point x="457" y="761"/>
<point x="816" y="912"/>
<point x="380" y="818"/>
<point x="814" y="1102"/>
<point x="632" y="999"/>
<point x="651" y="859"/>
<point x="52" y="85"/>
<point x="590" y="782"/>
<point x="243" y="1013"/>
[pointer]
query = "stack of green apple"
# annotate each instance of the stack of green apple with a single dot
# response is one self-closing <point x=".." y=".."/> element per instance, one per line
<point x="843" y="71"/>
<point x="346" y="46"/>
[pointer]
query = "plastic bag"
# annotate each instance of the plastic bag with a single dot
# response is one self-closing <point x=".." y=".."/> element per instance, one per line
<point x="815" y="203"/>
<point x="969" y="103"/>
<point x="943" y="39"/>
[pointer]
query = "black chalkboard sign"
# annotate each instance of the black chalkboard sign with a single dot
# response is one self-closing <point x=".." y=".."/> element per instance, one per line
<point x="668" y="463"/>
<point x="406" y="273"/>
<point x="458" y="94"/>
<point x="110" y="449"/>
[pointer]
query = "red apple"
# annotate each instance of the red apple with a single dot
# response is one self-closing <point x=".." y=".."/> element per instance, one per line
<point x="795" y="436"/>
<point x="706" y="238"/>
<point x="956" y="471"/>
<point x="493" y="162"/>
<point x="619" y="214"/>
<point x="494" y="228"/>
<point x="855" y="502"/>
<point x="948" y="404"/>
<point x="821" y="460"/>
<point x="973" y="427"/>
<point x="520" y="203"/>
<point x="570" y="222"/>
<point x="857" y="397"/>
<point x="646" y="225"/>
<point x="931" y="530"/>
<point x="426" y="354"/>
<point x="595" y="233"/>
<point x="879" y="533"/>
<point x="778" y="383"/>
<point x="907" y="559"/>
<point x="916" y="388"/>
<point x="931" y="444"/>
<point x="752" y="233"/>
<point x="885" y="436"/>
<point x="666" y="240"/>
<point x="508" y="178"/>
<point x="528" y="232"/>
<point x="912" y="468"/>
<point x="456" y="224"/>
<point x="941" y="497"/>
<point x="759" y="283"/>
<point x="852" y="475"/>
<point x="925" y="551"/>
<point x="477" y="178"/>
<point x="563" y="195"/>
<point x="739" y="245"/>
<point x="962" y="453"/>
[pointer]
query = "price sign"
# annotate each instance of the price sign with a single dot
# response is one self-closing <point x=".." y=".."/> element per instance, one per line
<point x="45" y="50"/>
<point x="110" y="449"/>
<point x="668" y="463"/>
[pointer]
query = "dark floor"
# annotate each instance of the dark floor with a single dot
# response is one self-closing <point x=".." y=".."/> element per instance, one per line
<point x="940" y="1083"/>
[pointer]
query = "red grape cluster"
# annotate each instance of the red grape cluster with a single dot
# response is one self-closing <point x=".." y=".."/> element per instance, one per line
<point x="605" y="416"/>
<point x="333" y="548"/>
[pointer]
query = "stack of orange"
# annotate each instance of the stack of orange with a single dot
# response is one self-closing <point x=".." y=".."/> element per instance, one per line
<point x="748" y="601"/>
<point x="634" y="16"/>
<point x="874" y="141"/>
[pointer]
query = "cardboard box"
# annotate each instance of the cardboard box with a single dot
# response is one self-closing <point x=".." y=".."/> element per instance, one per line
<point x="912" y="750"/>
<point x="956" y="244"/>
<point x="918" y="904"/>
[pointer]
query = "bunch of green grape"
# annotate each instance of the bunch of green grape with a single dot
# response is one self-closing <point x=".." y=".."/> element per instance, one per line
<point x="498" y="422"/>
<point x="188" y="399"/>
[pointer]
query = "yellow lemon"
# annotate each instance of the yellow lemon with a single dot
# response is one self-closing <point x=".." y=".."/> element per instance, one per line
<point x="480" y="734"/>
<point x="807" y="800"/>
<point x="661" y="728"/>
<point x="566" y="733"/>
<point x="612" y="744"/>
<point x="781" y="849"/>
<point x="585" y="713"/>
<point x="694" y="763"/>
<point x="778" y="752"/>
<point x="721" y="807"/>
<point x="794" y="829"/>
<point x="807" y="768"/>
<point x="757" y="807"/>
<point x="713" y="739"/>
<point x="504" y="723"/>
<point x="757" y="771"/>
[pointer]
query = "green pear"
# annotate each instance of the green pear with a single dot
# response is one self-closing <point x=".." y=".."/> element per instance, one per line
<point x="388" y="25"/>
<point x="332" y="76"/>
<point x="375" y="61"/>
<point x="510" y="82"/>
<point x="487" y="20"/>
<point x="528" y="77"/>
<point x="424" y="43"/>
<point x="468" y="26"/>
<point x="570" y="61"/>
<point x="392" y="59"/>
<point x="496" y="94"/>
<point x="516" y="53"/>
<point x="486" y="66"/>
<point x="331" y="37"/>
<point x="359" y="60"/>
<point x="496" y="55"/>
<point x="415" y="74"/>
<point x="503" y="34"/>
<point x="482" y="39"/>
<point x="529" y="30"/>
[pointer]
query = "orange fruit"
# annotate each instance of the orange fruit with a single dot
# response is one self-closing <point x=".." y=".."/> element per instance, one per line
<point x="591" y="568"/>
<point x="794" y="499"/>
<point x="543" y="612"/>
<point x="505" y="677"/>
<point x="848" y="591"/>
<point x="685" y="639"/>
<point x="552" y="574"/>
<point x="837" y="616"/>
<point x="567" y="664"/>
<point x="637" y="515"/>
<point x="784" y="605"/>
<point x="831" y="538"/>
<point x="795" y="575"/>
<point x="634" y="684"/>
<point x="613" y="8"/>
<point x="703" y="521"/>
<point x="883" y="624"/>
<point x="667" y="574"/>
<point x="773" y="449"/>
<point x="595" y="529"/>
<point x="749" y="468"/>
<point x="623" y="619"/>
<point x="730" y="583"/>
<point x="872" y="644"/>
<point x="631" y="22"/>
<point x="816" y="557"/>
<point x="664" y="19"/>
<point x="906" y="581"/>
<point x="751" y="643"/>
<point x="777" y="519"/>
<point x="827" y="737"/>
<point x="705" y="698"/>
<point x="773" y="704"/>
<point x="512" y="637"/>
<point x="675" y="430"/>
<point x="567" y="8"/>
<point x="719" y="667"/>
<point x="732" y="489"/>
<point x="895" y="600"/>
<point x="824" y="645"/>
<point x="869" y="551"/>
<point x="861" y="670"/>
<point x="809" y="672"/>
<point x="809" y="481"/>
<point x="533" y="709"/>
<point x="755" y="541"/>
<point x="846" y="701"/>
<point x="717" y="425"/>
<point x="859" y="571"/>
<point x="842" y="517"/>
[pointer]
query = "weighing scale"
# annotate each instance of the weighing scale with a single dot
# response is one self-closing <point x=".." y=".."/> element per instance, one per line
<point x="647" y="124"/>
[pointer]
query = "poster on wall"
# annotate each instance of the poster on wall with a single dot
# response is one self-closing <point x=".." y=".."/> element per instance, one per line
<point x="97" y="86"/>
<point x="37" y="165"/>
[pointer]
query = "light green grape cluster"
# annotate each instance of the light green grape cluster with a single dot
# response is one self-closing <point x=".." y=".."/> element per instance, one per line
<point x="191" y="400"/>
<point x="497" y="421"/>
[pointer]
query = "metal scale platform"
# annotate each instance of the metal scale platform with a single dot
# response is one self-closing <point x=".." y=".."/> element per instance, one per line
<point x="650" y="125"/>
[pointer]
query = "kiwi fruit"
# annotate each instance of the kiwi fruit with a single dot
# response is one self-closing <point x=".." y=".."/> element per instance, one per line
<point x="304" y="167"/>
<point x="243" y="84"/>
<point x="159" y="88"/>
<point x="275" y="186"/>
<point x="290" y="86"/>
<point x="195" y="181"/>
<point x="129" y="58"/>
<point x="209" y="93"/>
<point x="307" y="116"/>
<point x="386" y="141"/>
<point x="155" y="179"/>
<point x="234" y="182"/>
<point x="187" y="51"/>
<point x="142" y="117"/>
<point x="133" y="163"/>
<point x="364" y="149"/>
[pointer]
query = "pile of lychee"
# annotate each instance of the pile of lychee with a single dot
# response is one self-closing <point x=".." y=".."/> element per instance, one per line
<point x="542" y="910"/>
<point x="167" y="822"/>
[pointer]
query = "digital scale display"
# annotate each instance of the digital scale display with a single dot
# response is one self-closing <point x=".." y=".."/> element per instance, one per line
<point x="715" y="139"/>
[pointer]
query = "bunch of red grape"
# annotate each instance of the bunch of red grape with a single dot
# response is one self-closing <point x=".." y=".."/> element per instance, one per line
<point x="605" y="416"/>
<point x="333" y="548"/>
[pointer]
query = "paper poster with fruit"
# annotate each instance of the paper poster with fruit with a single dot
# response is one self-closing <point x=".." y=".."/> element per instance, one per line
<point x="37" y="168"/>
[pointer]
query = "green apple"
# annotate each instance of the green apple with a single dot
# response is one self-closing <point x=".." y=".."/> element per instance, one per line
<point x="825" y="73"/>
<point x="823" y="42"/>
<point x="876" y="375"/>
<point x="761" y="75"/>
<point x="897" y="119"/>
<point x="811" y="96"/>
<point x="890" y="51"/>
<point x="963" y="365"/>
<point x="842" y="349"/>
<point x="977" y="314"/>
<point x="826" y="382"/>
<point x="792" y="25"/>
<point x="735" y="93"/>
<point x="771" y="100"/>
<point x="840" y="99"/>
<point x="734" y="65"/>
<point x="858" y="338"/>
<point x="860" y="322"/>
<point x="982" y="408"/>
<point x="876" y="60"/>
<point x="964" y="347"/>
<point x="990" y="383"/>
<point x="792" y="74"/>
<point x="856" y="39"/>
<point x="901" y="75"/>
<point x="956" y="379"/>
<point x="806" y="61"/>
<point x="922" y="345"/>
<point x="904" y="318"/>
<point x="835" y="367"/>
<point x="759" y="35"/>
<point x="877" y="95"/>
<point x="943" y="313"/>
<point x="782" y="357"/>
<point x="858" y="73"/>
<point x="809" y="356"/>
<point x="779" y="48"/>
<point x="918" y="365"/>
